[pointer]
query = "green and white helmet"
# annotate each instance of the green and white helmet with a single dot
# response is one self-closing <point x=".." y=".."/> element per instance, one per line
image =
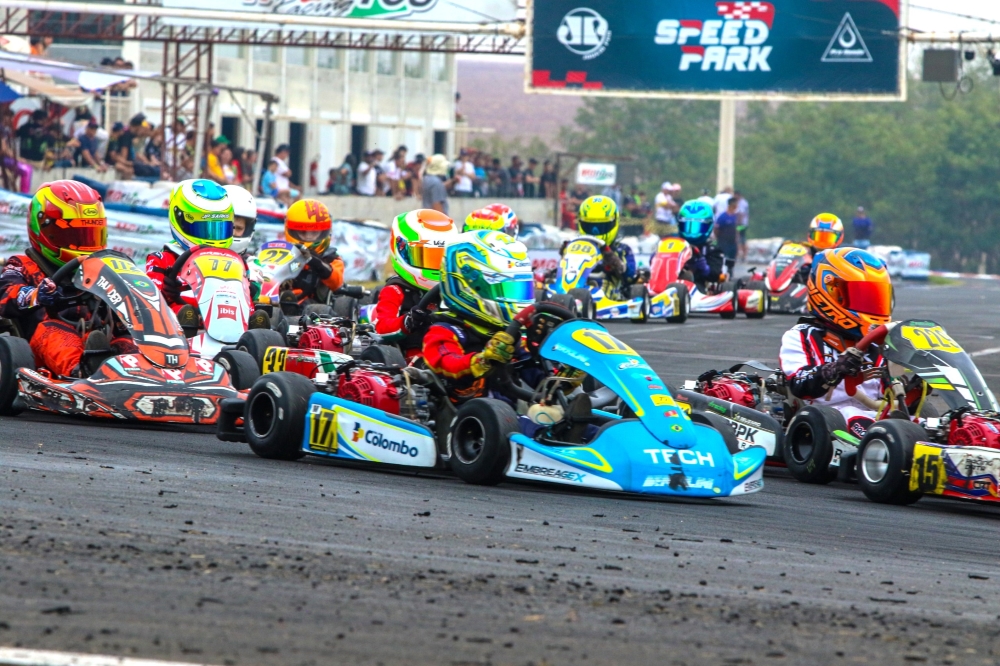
<point x="201" y="214"/>
<point x="417" y="245"/>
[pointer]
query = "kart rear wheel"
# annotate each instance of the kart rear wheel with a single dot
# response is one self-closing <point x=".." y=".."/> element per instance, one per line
<point x="640" y="291"/>
<point x="564" y="300"/>
<point x="371" y="297"/>
<point x="583" y="304"/>
<point x="274" y="418"/>
<point x="347" y="307"/>
<point x="683" y="303"/>
<point x="321" y="309"/>
<point x="884" y="460"/>
<point x="388" y="355"/>
<point x="480" y="445"/>
<point x="256" y="341"/>
<point x="243" y="368"/>
<point x="730" y="286"/>
<point x="758" y="285"/>
<point x="14" y="353"/>
<point x="279" y="322"/>
<point x="808" y="445"/>
<point x="723" y="425"/>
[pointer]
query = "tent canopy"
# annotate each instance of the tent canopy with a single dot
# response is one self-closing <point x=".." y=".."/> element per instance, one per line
<point x="88" y="79"/>
<point x="68" y="96"/>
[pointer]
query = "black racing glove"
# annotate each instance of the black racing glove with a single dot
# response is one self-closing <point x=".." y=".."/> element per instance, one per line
<point x="322" y="269"/>
<point x="612" y="263"/>
<point x="416" y="320"/>
<point x="847" y="364"/>
<point x="172" y="287"/>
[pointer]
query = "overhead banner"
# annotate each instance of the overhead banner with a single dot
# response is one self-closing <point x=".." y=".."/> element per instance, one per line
<point x="795" y="49"/>
<point x="474" y="11"/>
<point x="588" y="173"/>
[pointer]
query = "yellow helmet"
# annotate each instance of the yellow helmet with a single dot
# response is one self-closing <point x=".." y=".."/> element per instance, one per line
<point x="308" y="222"/>
<point x="598" y="217"/>
<point x="826" y="231"/>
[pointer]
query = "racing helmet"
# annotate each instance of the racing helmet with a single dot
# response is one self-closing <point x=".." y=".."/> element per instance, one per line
<point x="826" y="232"/>
<point x="695" y="221"/>
<point x="308" y="223"/>
<point x="201" y="214"/>
<point x="66" y="219"/>
<point x="850" y="291"/>
<point x="245" y="211"/>
<point x="417" y="245"/>
<point x="486" y="278"/>
<point x="598" y="217"/>
<point x="483" y="219"/>
<point x="511" y="225"/>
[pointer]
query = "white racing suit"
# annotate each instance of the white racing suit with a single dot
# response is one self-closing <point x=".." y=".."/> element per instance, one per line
<point x="806" y="347"/>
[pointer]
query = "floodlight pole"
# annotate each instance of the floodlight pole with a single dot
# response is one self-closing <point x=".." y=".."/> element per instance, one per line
<point x="725" y="170"/>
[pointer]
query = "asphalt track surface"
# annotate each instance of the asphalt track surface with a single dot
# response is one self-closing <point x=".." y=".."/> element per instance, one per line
<point x="177" y="546"/>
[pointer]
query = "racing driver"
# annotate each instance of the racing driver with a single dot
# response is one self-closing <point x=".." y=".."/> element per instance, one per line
<point x="695" y="222"/>
<point x="308" y="225"/>
<point x="598" y="217"/>
<point x="495" y="217"/>
<point x="849" y="294"/>
<point x="826" y="232"/>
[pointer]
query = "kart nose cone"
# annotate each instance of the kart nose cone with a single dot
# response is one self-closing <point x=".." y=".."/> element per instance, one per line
<point x="747" y="462"/>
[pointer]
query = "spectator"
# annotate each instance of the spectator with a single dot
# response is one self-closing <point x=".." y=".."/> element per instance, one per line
<point x="708" y="199"/>
<point x="481" y="184"/>
<point x="33" y="136"/>
<point x="154" y="149"/>
<point x="87" y="149"/>
<point x="548" y="180"/>
<point x="381" y="180"/>
<point x="237" y="165"/>
<point x="12" y="167"/>
<point x="465" y="174"/>
<point x="530" y="180"/>
<point x="130" y="163"/>
<point x="499" y="179"/>
<point x="213" y="162"/>
<point x="248" y="165"/>
<point x="743" y="213"/>
<point x="613" y="192"/>
<point x="40" y="45"/>
<point x="435" y="185"/>
<point x="862" y="229"/>
<point x="367" y="175"/>
<point x="284" y="173"/>
<point x="722" y="201"/>
<point x="397" y="175"/>
<point x="515" y="183"/>
<point x="343" y="177"/>
<point x="268" y="181"/>
<point x="666" y="208"/>
<point x="726" y="234"/>
<point x="226" y="162"/>
<point x="416" y="171"/>
<point x="110" y="155"/>
<point x="174" y="139"/>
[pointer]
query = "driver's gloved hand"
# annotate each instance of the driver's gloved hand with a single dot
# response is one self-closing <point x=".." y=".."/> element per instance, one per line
<point x="500" y="347"/>
<point x="172" y="287"/>
<point x="700" y="268"/>
<point x="322" y="269"/>
<point x="416" y="320"/>
<point x="47" y="293"/>
<point x="612" y="263"/>
<point x="847" y="364"/>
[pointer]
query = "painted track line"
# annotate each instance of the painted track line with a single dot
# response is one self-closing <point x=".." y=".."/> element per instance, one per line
<point x="23" y="657"/>
<point x="986" y="352"/>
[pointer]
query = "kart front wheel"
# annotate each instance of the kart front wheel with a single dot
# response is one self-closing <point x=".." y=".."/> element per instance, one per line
<point x="885" y="458"/>
<point x="809" y="444"/>
<point x="14" y="353"/>
<point x="683" y="303"/>
<point x="640" y="291"/>
<point x="730" y="286"/>
<point x="583" y="304"/>
<point x="480" y="445"/>
<point x="387" y="355"/>
<point x="243" y="368"/>
<point x="256" y="341"/>
<point x="758" y="285"/>
<point x="274" y="418"/>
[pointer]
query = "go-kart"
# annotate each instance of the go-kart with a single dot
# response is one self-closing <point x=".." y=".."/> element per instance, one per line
<point x="277" y="264"/>
<point x="786" y="290"/>
<point x="576" y="282"/>
<point x="163" y="382"/>
<point x="673" y="293"/>
<point x="378" y="413"/>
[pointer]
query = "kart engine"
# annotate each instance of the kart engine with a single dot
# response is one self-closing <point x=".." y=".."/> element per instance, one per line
<point x="327" y="338"/>
<point x="386" y="392"/>
<point x="975" y="429"/>
<point x="738" y="388"/>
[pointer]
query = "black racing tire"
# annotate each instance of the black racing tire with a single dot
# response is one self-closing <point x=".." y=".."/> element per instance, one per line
<point x="808" y="446"/>
<point x="318" y="308"/>
<point x="640" y="291"/>
<point x="684" y="300"/>
<point x="729" y="285"/>
<point x="585" y="309"/>
<point x="274" y="419"/>
<point x="256" y="341"/>
<point x="480" y="446"/>
<point x="243" y="368"/>
<point x="14" y="353"/>
<point x="885" y="458"/>
<point x="388" y="355"/>
<point x="279" y="322"/>
<point x="929" y="410"/>
<point x="371" y="297"/>
<point x="346" y="307"/>
<point x="563" y="300"/>
<point x="721" y="424"/>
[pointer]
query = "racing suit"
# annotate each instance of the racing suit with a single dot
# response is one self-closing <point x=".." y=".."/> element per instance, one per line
<point x="619" y="271"/>
<point x="448" y="349"/>
<point x="327" y="271"/>
<point x="809" y="359"/>
<point x="398" y="299"/>
<point x="706" y="264"/>
<point x="157" y="265"/>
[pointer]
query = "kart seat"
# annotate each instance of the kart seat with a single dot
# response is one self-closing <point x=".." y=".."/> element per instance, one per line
<point x="602" y="397"/>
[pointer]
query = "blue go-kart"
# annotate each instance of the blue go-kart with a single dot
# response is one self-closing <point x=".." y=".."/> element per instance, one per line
<point x="629" y="435"/>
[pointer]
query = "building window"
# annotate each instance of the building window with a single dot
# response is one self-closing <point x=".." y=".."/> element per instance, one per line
<point x="265" y="53"/>
<point x="357" y="61"/>
<point x="387" y="63"/>
<point x="439" y="66"/>
<point x="229" y="50"/>
<point x="297" y="55"/>
<point x="328" y="58"/>
<point x="413" y="64"/>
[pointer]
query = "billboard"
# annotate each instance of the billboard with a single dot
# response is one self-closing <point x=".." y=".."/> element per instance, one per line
<point x="474" y="11"/>
<point x="794" y="49"/>
<point x="590" y="173"/>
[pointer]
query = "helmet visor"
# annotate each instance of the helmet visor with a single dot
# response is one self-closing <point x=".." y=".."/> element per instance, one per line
<point x="872" y="298"/>
<point x="695" y="228"/>
<point x="309" y="236"/>
<point x="208" y="230"/>
<point x="79" y="234"/>
<point x="597" y="228"/>
<point x="511" y="289"/>
<point x="824" y="239"/>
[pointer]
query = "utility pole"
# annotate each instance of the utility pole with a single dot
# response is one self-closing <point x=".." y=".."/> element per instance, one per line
<point x="725" y="170"/>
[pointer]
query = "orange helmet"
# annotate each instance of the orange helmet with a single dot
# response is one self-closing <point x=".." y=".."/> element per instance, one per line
<point x="65" y="220"/>
<point x="850" y="291"/>
<point x="826" y="231"/>
<point x="308" y="223"/>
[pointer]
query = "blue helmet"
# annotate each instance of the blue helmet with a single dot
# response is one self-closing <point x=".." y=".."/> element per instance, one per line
<point x="695" y="222"/>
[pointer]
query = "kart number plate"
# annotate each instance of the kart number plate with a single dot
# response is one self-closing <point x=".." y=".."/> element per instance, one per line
<point x="122" y="266"/>
<point x="275" y="256"/>
<point x="274" y="360"/>
<point x="930" y="338"/>
<point x="220" y="267"/>
<point x="581" y="247"/>
<point x="928" y="473"/>
<point x="671" y="246"/>
<point x="792" y="250"/>
<point x="601" y="342"/>
<point x="323" y="429"/>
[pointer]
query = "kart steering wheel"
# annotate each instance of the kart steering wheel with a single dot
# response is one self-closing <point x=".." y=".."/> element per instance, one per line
<point x="64" y="276"/>
<point x="533" y="318"/>
<point x="172" y="272"/>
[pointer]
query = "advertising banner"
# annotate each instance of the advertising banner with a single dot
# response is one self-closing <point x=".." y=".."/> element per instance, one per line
<point x="795" y="49"/>
<point x="475" y="11"/>
<point x="588" y="173"/>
